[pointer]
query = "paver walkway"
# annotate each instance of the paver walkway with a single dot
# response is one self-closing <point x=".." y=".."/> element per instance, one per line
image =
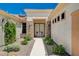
<point x="38" y="48"/>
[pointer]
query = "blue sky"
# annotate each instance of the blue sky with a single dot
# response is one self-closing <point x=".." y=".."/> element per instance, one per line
<point x="18" y="8"/>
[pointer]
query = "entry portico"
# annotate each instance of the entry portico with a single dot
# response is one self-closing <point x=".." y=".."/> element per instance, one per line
<point x="37" y="20"/>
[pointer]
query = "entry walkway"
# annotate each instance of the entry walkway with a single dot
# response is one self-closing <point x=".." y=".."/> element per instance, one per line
<point x="38" y="48"/>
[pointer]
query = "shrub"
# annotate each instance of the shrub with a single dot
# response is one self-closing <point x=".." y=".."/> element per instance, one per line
<point x="11" y="48"/>
<point x="8" y="49"/>
<point x="58" y="49"/>
<point x="16" y="48"/>
<point x="47" y="37"/>
<point x="10" y="33"/>
<point x="27" y="37"/>
<point x="24" y="42"/>
<point x="48" y="40"/>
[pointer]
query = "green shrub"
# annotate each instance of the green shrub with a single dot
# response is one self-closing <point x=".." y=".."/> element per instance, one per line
<point x="10" y="33"/>
<point x="48" y="40"/>
<point x="47" y="37"/>
<point x="8" y="48"/>
<point x="27" y="37"/>
<point x="58" y="49"/>
<point x="24" y="42"/>
<point x="11" y="48"/>
<point x="16" y="48"/>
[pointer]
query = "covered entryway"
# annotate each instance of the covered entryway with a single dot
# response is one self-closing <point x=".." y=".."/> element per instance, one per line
<point x="39" y="27"/>
<point x="39" y="30"/>
<point x="37" y="19"/>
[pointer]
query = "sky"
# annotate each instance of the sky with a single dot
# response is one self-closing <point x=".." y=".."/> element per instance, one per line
<point x="18" y="8"/>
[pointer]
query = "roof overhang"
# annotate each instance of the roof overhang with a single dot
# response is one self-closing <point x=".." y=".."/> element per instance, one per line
<point x="38" y="12"/>
<point x="10" y="16"/>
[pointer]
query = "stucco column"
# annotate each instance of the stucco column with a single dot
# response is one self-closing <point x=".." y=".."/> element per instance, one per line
<point x="30" y="28"/>
<point x="45" y="28"/>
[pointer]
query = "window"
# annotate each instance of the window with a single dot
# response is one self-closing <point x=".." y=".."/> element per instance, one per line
<point x="62" y="15"/>
<point x="2" y="20"/>
<point x="23" y="27"/>
<point x="58" y="18"/>
<point x="55" y="20"/>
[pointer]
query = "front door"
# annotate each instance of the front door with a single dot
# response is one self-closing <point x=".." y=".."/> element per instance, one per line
<point x="39" y="30"/>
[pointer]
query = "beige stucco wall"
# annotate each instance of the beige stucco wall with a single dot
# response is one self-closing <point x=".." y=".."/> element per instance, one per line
<point x="71" y="8"/>
<point x="18" y="30"/>
<point x="61" y="31"/>
<point x="1" y="32"/>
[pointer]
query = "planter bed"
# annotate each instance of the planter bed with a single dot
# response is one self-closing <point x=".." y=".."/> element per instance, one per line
<point x="49" y="50"/>
<point x="25" y="50"/>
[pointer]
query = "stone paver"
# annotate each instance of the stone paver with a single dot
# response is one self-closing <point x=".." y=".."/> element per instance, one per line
<point x="38" y="48"/>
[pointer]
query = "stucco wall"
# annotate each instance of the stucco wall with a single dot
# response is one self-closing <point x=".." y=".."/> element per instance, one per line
<point x="70" y="9"/>
<point x="1" y="33"/>
<point x="61" y="31"/>
<point x="18" y="30"/>
<point x="2" y="23"/>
